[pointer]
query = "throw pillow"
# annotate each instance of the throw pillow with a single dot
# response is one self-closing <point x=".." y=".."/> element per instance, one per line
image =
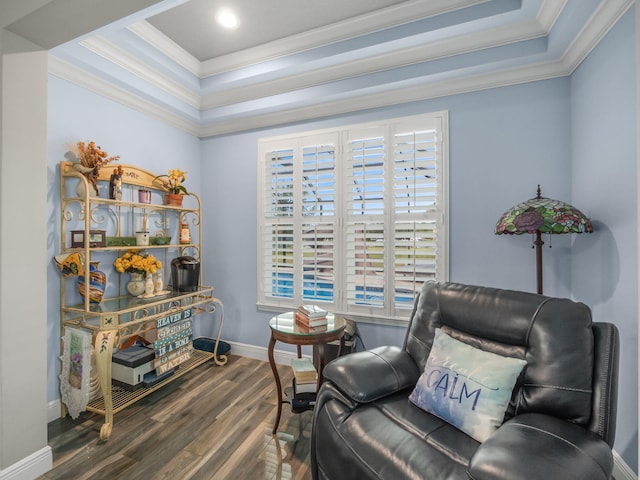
<point x="467" y="387"/>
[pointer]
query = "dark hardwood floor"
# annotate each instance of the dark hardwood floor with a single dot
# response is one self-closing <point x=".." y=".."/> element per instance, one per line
<point x="212" y="423"/>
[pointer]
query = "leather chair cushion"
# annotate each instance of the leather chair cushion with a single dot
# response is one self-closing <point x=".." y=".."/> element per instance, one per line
<point x="535" y="446"/>
<point x="390" y="438"/>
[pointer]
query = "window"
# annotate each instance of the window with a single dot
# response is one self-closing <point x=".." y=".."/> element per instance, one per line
<point x="353" y="219"/>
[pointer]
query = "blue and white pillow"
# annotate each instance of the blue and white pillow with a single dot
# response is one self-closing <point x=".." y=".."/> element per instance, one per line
<point x="467" y="387"/>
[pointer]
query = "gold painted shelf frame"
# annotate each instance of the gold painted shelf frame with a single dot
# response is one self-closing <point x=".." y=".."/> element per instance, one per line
<point x="122" y="318"/>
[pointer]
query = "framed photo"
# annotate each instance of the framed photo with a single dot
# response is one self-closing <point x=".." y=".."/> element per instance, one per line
<point x="97" y="238"/>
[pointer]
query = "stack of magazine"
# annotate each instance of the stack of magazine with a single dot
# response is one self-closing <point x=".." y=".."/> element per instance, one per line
<point x="305" y="381"/>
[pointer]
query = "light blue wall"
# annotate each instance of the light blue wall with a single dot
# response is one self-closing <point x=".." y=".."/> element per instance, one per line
<point x="77" y="114"/>
<point x="604" y="182"/>
<point x="503" y="143"/>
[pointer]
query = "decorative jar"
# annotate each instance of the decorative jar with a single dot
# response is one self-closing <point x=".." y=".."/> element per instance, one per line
<point x="135" y="286"/>
<point x="97" y="284"/>
<point x="144" y="196"/>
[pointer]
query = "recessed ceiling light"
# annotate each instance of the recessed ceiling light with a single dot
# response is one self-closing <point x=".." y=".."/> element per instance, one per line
<point x="227" y="18"/>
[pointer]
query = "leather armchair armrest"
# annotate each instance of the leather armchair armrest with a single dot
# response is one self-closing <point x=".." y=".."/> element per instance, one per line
<point x="372" y="374"/>
<point x="540" y="447"/>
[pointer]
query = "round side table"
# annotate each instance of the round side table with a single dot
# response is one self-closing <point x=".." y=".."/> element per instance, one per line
<point x="285" y="329"/>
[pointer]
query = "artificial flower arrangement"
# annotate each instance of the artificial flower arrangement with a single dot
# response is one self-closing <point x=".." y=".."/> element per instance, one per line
<point x="174" y="182"/>
<point x="134" y="261"/>
<point x="89" y="159"/>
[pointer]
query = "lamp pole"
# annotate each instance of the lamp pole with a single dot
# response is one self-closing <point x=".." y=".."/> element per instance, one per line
<point x="538" y="245"/>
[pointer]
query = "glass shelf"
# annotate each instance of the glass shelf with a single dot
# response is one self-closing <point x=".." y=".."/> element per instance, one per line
<point x="127" y="312"/>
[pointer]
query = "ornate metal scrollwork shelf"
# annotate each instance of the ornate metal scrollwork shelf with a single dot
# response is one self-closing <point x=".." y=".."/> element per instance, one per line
<point x="122" y="318"/>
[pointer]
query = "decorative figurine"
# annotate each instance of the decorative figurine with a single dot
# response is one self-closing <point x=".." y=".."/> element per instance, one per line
<point x="115" y="184"/>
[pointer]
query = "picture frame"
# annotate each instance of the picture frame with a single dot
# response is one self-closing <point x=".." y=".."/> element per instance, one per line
<point x="97" y="238"/>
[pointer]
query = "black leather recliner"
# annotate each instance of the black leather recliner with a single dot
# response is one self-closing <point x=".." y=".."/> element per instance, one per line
<point x="560" y="423"/>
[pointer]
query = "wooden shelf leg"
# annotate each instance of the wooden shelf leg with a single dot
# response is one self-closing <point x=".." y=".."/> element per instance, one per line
<point x="222" y="359"/>
<point x="104" y="350"/>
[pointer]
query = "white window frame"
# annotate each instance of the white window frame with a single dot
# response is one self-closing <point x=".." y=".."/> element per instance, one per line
<point x="334" y="225"/>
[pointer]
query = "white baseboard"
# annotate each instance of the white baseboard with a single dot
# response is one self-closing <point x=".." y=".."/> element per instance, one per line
<point x="281" y="357"/>
<point x="54" y="410"/>
<point x="622" y="471"/>
<point x="36" y="464"/>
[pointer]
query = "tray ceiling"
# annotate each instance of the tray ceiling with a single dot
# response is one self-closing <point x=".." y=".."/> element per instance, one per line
<point x="296" y="60"/>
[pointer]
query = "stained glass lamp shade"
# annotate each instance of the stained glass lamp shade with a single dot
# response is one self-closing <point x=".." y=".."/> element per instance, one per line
<point x="542" y="215"/>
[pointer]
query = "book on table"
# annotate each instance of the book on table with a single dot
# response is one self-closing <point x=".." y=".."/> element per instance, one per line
<point x="303" y="370"/>
<point x="301" y="321"/>
<point x="299" y="327"/>
<point x="302" y="388"/>
<point x="311" y="312"/>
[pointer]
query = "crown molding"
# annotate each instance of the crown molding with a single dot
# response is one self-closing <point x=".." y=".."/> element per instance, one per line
<point x="463" y="43"/>
<point x="166" y="46"/>
<point x="101" y="86"/>
<point x="603" y="19"/>
<point x="391" y="16"/>
<point x="549" y="12"/>
<point x="119" y="56"/>
<point x="606" y="15"/>
<point x="426" y="91"/>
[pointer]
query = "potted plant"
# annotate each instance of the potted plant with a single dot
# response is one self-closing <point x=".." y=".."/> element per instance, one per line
<point x="173" y="184"/>
<point x="88" y="159"/>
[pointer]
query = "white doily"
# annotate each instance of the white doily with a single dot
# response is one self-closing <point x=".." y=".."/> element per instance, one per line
<point x="75" y="378"/>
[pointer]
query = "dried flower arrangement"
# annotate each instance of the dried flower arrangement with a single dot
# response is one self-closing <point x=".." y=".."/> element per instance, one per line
<point x="89" y="159"/>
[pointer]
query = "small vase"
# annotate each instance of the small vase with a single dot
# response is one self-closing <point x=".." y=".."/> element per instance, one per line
<point x="149" y="285"/>
<point x="86" y="171"/>
<point x="136" y="286"/>
<point x="158" y="284"/>
<point x="174" y="199"/>
<point x="97" y="284"/>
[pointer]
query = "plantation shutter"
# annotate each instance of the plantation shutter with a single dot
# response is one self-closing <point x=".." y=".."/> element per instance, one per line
<point x="278" y="229"/>
<point x="318" y="222"/>
<point x="415" y="183"/>
<point x="354" y="220"/>
<point x="364" y="220"/>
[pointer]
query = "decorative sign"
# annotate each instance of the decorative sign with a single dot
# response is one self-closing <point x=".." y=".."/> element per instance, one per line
<point x="173" y="329"/>
<point x="172" y="363"/>
<point x="172" y="343"/>
<point x="174" y="318"/>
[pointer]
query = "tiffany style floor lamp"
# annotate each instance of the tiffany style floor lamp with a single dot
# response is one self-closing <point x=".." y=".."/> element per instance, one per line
<point x="540" y="215"/>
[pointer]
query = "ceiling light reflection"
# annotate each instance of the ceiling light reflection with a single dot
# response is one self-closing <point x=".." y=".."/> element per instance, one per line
<point x="227" y="19"/>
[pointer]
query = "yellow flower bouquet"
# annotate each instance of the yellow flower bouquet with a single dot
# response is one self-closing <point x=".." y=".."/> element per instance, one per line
<point x="134" y="261"/>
